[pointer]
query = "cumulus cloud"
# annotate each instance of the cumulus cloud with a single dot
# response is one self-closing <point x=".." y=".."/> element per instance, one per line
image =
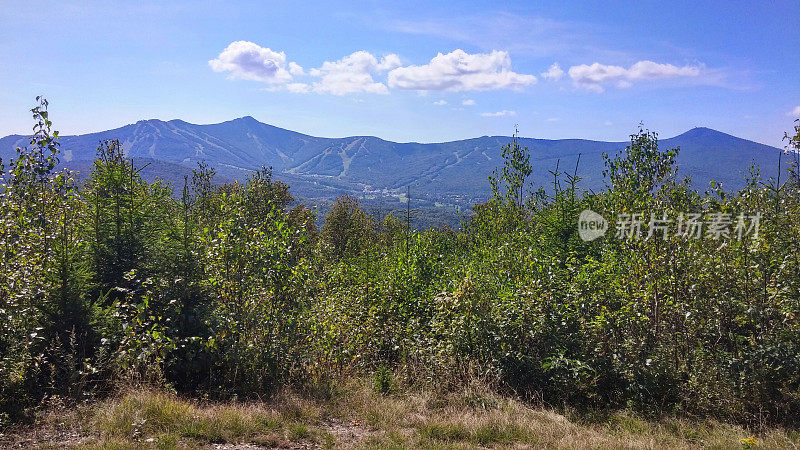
<point x="554" y="73"/>
<point x="461" y="71"/>
<point x="295" y="69"/>
<point x="795" y="112"/>
<point x="594" y="76"/>
<point x="353" y="74"/>
<point x="357" y="72"/>
<point x="248" y="61"/>
<point x="440" y="102"/>
<point x="389" y="62"/>
<point x="468" y="102"/>
<point x="502" y="113"/>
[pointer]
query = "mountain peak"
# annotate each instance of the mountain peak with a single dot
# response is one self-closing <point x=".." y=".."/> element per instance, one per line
<point x="697" y="132"/>
<point x="246" y="119"/>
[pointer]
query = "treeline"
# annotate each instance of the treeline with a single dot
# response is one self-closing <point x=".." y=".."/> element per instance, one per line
<point x="226" y="291"/>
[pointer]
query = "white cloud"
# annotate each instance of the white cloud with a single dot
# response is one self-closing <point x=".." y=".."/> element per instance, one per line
<point x="651" y="70"/>
<point x="608" y="123"/>
<point x="295" y="69"/>
<point x="592" y="77"/>
<point x="554" y="73"/>
<point x="468" y="102"/>
<point x="553" y="119"/>
<point x="298" y="88"/>
<point x="248" y="61"/>
<point x="795" y="112"/>
<point x="389" y="62"/>
<point x="455" y="71"/>
<point x="440" y="102"/>
<point x="460" y="71"/>
<point x="502" y="113"/>
<point x="353" y="74"/>
<point x="624" y="84"/>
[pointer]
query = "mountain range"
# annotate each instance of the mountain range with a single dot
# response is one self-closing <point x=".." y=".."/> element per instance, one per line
<point x="448" y="174"/>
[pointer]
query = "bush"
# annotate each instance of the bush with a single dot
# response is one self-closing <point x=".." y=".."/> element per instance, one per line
<point x="224" y="291"/>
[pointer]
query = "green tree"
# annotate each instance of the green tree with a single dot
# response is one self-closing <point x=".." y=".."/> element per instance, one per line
<point x="348" y="230"/>
<point x="508" y="184"/>
<point x="641" y="167"/>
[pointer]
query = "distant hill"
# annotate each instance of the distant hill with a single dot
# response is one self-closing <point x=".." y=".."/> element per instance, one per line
<point x="449" y="174"/>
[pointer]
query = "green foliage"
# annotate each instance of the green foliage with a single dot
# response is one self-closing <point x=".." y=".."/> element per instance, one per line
<point x="506" y="208"/>
<point x="792" y="147"/>
<point x="252" y="268"/>
<point x="230" y="291"/>
<point x="508" y="185"/>
<point x="348" y="230"/>
<point x="641" y="168"/>
<point x="382" y="380"/>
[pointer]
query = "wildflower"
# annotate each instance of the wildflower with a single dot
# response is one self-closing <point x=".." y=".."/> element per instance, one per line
<point x="749" y="442"/>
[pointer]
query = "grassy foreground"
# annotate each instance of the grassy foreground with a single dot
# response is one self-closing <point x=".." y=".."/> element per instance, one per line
<point x="356" y="417"/>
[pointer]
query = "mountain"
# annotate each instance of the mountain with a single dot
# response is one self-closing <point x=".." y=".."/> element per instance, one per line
<point x="442" y="174"/>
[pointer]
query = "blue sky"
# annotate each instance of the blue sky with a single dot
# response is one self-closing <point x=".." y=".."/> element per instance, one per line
<point x="408" y="71"/>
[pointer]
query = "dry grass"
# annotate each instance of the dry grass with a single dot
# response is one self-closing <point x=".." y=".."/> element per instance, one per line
<point x="356" y="417"/>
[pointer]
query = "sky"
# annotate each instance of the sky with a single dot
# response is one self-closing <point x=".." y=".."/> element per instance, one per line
<point x="407" y="70"/>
